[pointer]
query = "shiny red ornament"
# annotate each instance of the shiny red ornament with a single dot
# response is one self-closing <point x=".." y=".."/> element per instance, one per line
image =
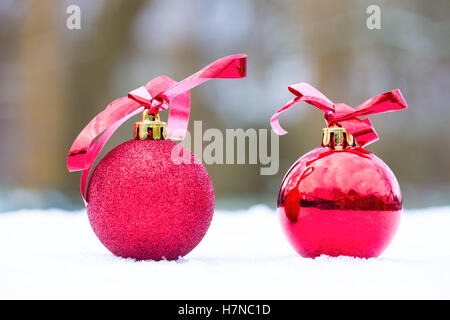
<point x="144" y="206"/>
<point x="340" y="199"/>
<point x="336" y="203"/>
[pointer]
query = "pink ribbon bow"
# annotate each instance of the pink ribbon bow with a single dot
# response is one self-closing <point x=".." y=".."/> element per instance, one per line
<point x="342" y="114"/>
<point x="156" y="95"/>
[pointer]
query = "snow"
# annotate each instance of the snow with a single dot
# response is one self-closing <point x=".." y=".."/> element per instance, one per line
<point x="55" y="254"/>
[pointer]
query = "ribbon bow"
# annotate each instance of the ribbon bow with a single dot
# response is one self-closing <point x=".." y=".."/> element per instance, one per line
<point x="156" y="95"/>
<point x="342" y="114"/>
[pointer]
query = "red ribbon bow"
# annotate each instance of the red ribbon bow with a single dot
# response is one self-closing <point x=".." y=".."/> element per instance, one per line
<point x="342" y="114"/>
<point x="156" y="95"/>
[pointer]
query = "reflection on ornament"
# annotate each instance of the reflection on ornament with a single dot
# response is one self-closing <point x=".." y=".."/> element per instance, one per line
<point x="344" y="202"/>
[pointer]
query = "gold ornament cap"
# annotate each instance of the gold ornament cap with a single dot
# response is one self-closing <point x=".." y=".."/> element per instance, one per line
<point x="150" y="127"/>
<point x="337" y="138"/>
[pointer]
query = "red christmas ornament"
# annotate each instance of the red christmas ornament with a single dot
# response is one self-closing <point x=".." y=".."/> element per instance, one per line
<point x="143" y="205"/>
<point x="340" y="199"/>
<point x="144" y="199"/>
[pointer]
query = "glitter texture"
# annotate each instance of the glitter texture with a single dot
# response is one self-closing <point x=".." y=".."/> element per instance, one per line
<point x="142" y="205"/>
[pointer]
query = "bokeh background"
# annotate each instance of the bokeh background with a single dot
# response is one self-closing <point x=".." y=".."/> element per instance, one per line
<point x="54" y="80"/>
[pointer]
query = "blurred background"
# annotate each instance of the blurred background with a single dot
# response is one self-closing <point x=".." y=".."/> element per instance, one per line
<point x="53" y="81"/>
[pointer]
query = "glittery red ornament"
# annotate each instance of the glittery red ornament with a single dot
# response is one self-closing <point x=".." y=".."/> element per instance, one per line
<point x="142" y="205"/>
<point x="340" y="199"/>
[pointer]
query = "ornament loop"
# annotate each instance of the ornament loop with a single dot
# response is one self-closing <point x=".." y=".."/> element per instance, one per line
<point x="150" y="127"/>
<point x="337" y="138"/>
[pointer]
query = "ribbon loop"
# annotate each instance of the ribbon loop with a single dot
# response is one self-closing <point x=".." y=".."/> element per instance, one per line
<point x="141" y="96"/>
<point x="158" y="94"/>
<point x="342" y="114"/>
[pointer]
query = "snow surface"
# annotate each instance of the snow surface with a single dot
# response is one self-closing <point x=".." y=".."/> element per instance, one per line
<point x="54" y="254"/>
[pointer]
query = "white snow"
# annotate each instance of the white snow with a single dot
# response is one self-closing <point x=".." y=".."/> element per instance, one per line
<point x="55" y="254"/>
